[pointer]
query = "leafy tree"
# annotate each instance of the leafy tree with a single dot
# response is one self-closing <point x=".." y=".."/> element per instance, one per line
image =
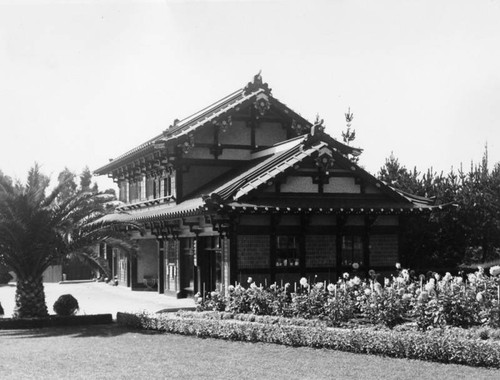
<point x="38" y="229"/>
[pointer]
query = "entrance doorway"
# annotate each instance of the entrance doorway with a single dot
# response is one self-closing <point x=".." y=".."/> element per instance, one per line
<point x="210" y="264"/>
<point x="187" y="247"/>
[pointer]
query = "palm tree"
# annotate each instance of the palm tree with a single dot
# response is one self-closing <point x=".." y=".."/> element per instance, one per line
<point x="38" y="230"/>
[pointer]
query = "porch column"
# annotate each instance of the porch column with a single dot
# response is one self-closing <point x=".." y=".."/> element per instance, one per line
<point x="161" y="266"/>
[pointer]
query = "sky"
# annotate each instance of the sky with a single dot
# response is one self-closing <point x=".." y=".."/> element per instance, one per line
<point x="85" y="81"/>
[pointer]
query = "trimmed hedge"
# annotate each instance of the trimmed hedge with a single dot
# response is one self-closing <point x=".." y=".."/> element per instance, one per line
<point x="55" y="321"/>
<point x="410" y="345"/>
<point x="269" y="319"/>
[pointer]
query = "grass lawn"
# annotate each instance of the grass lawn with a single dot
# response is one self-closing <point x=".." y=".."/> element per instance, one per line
<point x="113" y="352"/>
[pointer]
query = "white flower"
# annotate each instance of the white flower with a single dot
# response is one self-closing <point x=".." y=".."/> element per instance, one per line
<point x="405" y="273"/>
<point x="495" y="270"/>
<point x="406" y="297"/>
<point x="250" y="280"/>
<point x="437" y="276"/>
<point x="387" y="282"/>
<point x="319" y="285"/>
<point x="398" y="266"/>
<point x="330" y="287"/>
<point x="272" y="287"/>
<point x="355" y="266"/>
<point x="230" y="288"/>
<point x="356" y="280"/>
<point x="429" y="286"/>
<point x="345" y="275"/>
<point x="213" y="294"/>
<point x="400" y="280"/>
<point x="471" y="277"/>
<point x="287" y="285"/>
<point x="458" y="280"/>
<point x="253" y="285"/>
<point x="368" y="291"/>
<point x="303" y="281"/>
<point x="424" y="296"/>
<point x="479" y="297"/>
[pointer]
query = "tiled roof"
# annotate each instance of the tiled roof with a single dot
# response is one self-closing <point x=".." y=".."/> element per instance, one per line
<point x="267" y="170"/>
<point x="149" y="214"/>
<point x="189" y="124"/>
<point x="229" y="194"/>
<point x="184" y="127"/>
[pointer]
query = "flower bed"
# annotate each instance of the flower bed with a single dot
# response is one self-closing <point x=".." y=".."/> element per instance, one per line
<point x="428" y="300"/>
<point x="450" y="319"/>
<point x="440" y="347"/>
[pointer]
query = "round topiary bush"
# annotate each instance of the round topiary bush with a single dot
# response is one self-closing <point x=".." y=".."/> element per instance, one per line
<point x="66" y="305"/>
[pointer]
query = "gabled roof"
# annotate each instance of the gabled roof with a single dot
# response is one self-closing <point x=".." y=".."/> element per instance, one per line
<point x="277" y="163"/>
<point x="287" y="154"/>
<point x="221" y="108"/>
<point x="231" y="194"/>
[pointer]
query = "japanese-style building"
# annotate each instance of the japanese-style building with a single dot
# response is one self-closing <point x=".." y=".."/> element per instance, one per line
<point x="248" y="188"/>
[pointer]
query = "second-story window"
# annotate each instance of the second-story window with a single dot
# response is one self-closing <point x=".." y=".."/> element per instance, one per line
<point x="142" y="188"/>
<point x="124" y="191"/>
<point x="150" y="188"/>
<point x="167" y="186"/>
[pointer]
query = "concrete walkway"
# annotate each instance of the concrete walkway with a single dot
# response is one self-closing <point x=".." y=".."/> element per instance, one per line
<point x="99" y="298"/>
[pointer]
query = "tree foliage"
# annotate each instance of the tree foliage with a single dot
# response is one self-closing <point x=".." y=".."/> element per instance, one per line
<point x="465" y="234"/>
<point x="349" y="135"/>
<point x="39" y="228"/>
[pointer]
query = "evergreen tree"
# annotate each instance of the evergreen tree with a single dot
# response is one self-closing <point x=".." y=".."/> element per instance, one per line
<point x="38" y="229"/>
<point x="350" y="134"/>
<point x="86" y="180"/>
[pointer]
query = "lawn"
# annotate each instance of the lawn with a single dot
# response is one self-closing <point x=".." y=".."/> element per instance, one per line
<point x="113" y="352"/>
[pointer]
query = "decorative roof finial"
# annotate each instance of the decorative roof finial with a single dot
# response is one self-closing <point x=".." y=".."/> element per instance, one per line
<point x="256" y="85"/>
<point x="318" y="126"/>
<point x="258" y="77"/>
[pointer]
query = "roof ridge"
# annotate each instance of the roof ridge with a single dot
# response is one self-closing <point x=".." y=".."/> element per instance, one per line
<point x="179" y="124"/>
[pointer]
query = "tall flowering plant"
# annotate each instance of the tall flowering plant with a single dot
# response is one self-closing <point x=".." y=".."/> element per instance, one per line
<point x="309" y="301"/>
<point x="340" y="305"/>
<point x="388" y="306"/>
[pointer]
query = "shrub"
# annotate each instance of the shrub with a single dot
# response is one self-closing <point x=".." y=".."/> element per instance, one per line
<point x="5" y="276"/>
<point x="66" y="305"/>
<point x="442" y="347"/>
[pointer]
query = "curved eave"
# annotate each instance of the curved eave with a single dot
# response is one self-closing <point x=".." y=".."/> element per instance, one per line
<point x="128" y="157"/>
<point x="191" y="207"/>
<point x="247" y="208"/>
